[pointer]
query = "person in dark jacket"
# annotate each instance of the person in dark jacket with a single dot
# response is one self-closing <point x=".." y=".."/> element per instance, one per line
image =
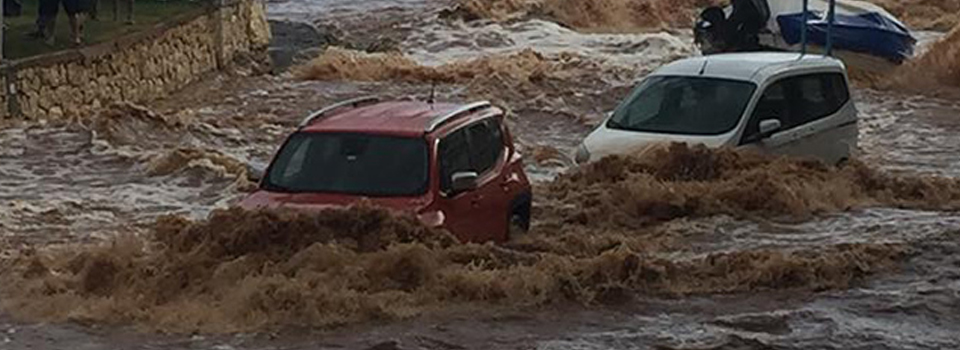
<point x="746" y="21"/>
<point x="711" y="32"/>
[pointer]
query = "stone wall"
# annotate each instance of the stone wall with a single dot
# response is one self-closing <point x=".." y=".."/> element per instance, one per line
<point x="245" y="27"/>
<point x="139" y="67"/>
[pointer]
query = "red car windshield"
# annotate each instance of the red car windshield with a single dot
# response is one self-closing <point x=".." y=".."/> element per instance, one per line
<point x="359" y="164"/>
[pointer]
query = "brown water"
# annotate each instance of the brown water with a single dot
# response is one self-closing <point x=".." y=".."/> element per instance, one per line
<point x="659" y="252"/>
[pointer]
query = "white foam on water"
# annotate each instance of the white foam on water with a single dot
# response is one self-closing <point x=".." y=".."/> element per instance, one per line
<point x="441" y="43"/>
<point x="312" y="9"/>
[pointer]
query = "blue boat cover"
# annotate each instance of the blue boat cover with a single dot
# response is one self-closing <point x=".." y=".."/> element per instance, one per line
<point x="870" y="33"/>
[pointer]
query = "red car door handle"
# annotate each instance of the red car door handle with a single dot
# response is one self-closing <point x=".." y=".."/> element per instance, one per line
<point x="476" y="200"/>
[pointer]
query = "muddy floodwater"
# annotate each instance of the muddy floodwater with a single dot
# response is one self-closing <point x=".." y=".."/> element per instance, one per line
<point x="879" y="271"/>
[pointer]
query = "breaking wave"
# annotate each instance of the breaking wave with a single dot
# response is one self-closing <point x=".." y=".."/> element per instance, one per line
<point x="672" y="181"/>
<point x="941" y="15"/>
<point x="519" y="77"/>
<point x="244" y="271"/>
<point x="184" y="158"/>
<point x="592" y="242"/>
<point x="131" y="124"/>
<point x="939" y="66"/>
<point x="591" y="15"/>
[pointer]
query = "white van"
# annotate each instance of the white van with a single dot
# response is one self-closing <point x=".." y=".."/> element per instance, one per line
<point x="784" y="103"/>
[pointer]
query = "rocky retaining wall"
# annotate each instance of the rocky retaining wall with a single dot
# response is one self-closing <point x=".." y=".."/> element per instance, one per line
<point x="138" y="67"/>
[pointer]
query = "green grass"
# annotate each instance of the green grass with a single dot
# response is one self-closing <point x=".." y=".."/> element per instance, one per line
<point x="146" y="14"/>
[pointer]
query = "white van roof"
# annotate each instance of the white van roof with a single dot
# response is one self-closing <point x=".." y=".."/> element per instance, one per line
<point x="755" y="66"/>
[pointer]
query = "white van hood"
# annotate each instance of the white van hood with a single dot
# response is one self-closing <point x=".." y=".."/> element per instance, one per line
<point x="604" y="141"/>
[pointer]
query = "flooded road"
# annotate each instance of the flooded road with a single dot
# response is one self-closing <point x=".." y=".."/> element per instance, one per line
<point x="885" y="275"/>
<point x="910" y="133"/>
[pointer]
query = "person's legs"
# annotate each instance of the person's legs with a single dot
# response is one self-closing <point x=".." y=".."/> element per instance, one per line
<point x="50" y="23"/>
<point x="129" y="5"/>
<point x="75" y="12"/>
<point x="50" y="30"/>
<point x="93" y="8"/>
<point x="38" y="33"/>
<point x="76" y="28"/>
<point x="46" y="20"/>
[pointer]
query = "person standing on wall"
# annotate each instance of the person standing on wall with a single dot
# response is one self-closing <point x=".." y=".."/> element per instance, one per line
<point x="128" y="4"/>
<point x="47" y="19"/>
<point x="93" y="12"/>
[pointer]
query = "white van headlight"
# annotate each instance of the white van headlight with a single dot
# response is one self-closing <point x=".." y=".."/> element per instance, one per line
<point x="583" y="155"/>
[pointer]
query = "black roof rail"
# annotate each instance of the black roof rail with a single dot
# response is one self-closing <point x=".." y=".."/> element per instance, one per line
<point x="354" y="102"/>
<point x="470" y="108"/>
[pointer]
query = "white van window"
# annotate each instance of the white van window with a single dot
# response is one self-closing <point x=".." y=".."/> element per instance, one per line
<point x="798" y="100"/>
<point x="684" y="105"/>
<point x="821" y="95"/>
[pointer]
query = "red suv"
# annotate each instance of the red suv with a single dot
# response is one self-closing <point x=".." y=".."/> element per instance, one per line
<point x="454" y="166"/>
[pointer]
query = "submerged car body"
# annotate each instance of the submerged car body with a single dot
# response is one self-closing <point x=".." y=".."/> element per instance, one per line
<point x="453" y="166"/>
<point x="781" y="103"/>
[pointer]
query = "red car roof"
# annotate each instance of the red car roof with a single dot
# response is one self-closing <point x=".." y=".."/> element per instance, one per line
<point x="391" y="117"/>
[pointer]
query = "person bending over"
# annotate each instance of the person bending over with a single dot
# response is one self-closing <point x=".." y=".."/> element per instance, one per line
<point x="745" y="22"/>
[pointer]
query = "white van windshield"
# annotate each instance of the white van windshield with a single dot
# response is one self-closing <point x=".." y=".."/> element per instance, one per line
<point x="684" y="105"/>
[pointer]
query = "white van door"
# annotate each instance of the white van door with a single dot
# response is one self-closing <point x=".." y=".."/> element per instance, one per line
<point x="815" y="116"/>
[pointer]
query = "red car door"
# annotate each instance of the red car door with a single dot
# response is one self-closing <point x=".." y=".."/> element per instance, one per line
<point x="487" y="157"/>
<point x="479" y="215"/>
<point x="458" y="208"/>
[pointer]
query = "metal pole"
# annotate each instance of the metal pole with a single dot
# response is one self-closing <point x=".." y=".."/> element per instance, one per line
<point x="803" y="29"/>
<point x="830" y="16"/>
<point x="4" y="14"/>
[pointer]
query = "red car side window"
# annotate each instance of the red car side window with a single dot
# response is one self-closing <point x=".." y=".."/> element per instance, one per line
<point x="454" y="155"/>
<point x="486" y="144"/>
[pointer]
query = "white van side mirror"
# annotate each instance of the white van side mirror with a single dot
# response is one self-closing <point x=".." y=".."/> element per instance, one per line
<point x="768" y="127"/>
